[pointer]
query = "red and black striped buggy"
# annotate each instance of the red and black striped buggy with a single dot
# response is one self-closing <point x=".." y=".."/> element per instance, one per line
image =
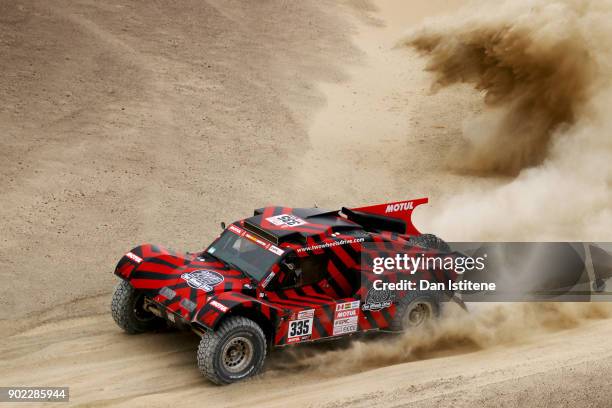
<point x="283" y="276"/>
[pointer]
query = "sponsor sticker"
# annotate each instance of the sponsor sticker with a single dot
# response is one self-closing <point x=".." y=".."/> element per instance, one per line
<point x="378" y="299"/>
<point x="276" y="250"/>
<point x="188" y="304"/>
<point x="300" y="329"/>
<point x="406" y="205"/>
<point x="266" y="245"/>
<point x="306" y="314"/>
<point x="268" y="279"/>
<point x="235" y="229"/>
<point x="286" y="220"/>
<point x="297" y="339"/>
<point x="346" y="318"/>
<point x="134" y="257"/>
<point x="167" y="293"/>
<point x="203" y="279"/>
<point x="219" y="306"/>
<point x="256" y="240"/>
<point x="347" y="305"/>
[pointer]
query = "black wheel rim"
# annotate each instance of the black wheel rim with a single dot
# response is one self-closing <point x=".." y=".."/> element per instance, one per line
<point x="418" y="313"/>
<point x="139" y="311"/>
<point x="237" y="354"/>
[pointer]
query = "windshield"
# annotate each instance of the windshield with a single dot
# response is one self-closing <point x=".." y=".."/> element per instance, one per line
<point x="244" y="254"/>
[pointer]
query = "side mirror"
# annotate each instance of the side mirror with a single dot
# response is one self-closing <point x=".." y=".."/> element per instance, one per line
<point x="288" y="264"/>
<point x="222" y="225"/>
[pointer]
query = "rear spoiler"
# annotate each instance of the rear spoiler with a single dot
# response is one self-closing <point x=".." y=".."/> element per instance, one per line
<point x="376" y="214"/>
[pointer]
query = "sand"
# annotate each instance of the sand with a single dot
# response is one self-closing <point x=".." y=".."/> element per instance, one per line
<point x="130" y="122"/>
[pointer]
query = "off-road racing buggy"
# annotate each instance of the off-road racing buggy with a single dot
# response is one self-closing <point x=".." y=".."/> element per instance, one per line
<point x="281" y="277"/>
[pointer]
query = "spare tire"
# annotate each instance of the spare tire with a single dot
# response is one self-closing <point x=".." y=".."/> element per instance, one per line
<point x="430" y="241"/>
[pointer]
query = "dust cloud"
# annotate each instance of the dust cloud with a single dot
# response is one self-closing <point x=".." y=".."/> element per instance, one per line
<point x="457" y="332"/>
<point x="544" y="69"/>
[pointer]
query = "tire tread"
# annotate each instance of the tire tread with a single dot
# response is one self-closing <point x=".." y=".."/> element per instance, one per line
<point x="210" y="342"/>
<point x="123" y="315"/>
<point x="430" y="241"/>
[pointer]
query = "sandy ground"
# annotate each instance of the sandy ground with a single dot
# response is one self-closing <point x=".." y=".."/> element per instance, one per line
<point x="107" y="368"/>
<point x="128" y="122"/>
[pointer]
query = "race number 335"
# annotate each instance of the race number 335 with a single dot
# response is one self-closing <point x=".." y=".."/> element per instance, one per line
<point x="286" y="220"/>
<point x="301" y="327"/>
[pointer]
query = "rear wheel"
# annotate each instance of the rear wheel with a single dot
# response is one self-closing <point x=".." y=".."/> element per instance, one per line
<point x="128" y="311"/>
<point x="415" y="309"/>
<point x="235" y="351"/>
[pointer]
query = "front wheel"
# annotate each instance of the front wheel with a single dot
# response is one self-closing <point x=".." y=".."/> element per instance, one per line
<point x="127" y="308"/>
<point x="235" y="351"/>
